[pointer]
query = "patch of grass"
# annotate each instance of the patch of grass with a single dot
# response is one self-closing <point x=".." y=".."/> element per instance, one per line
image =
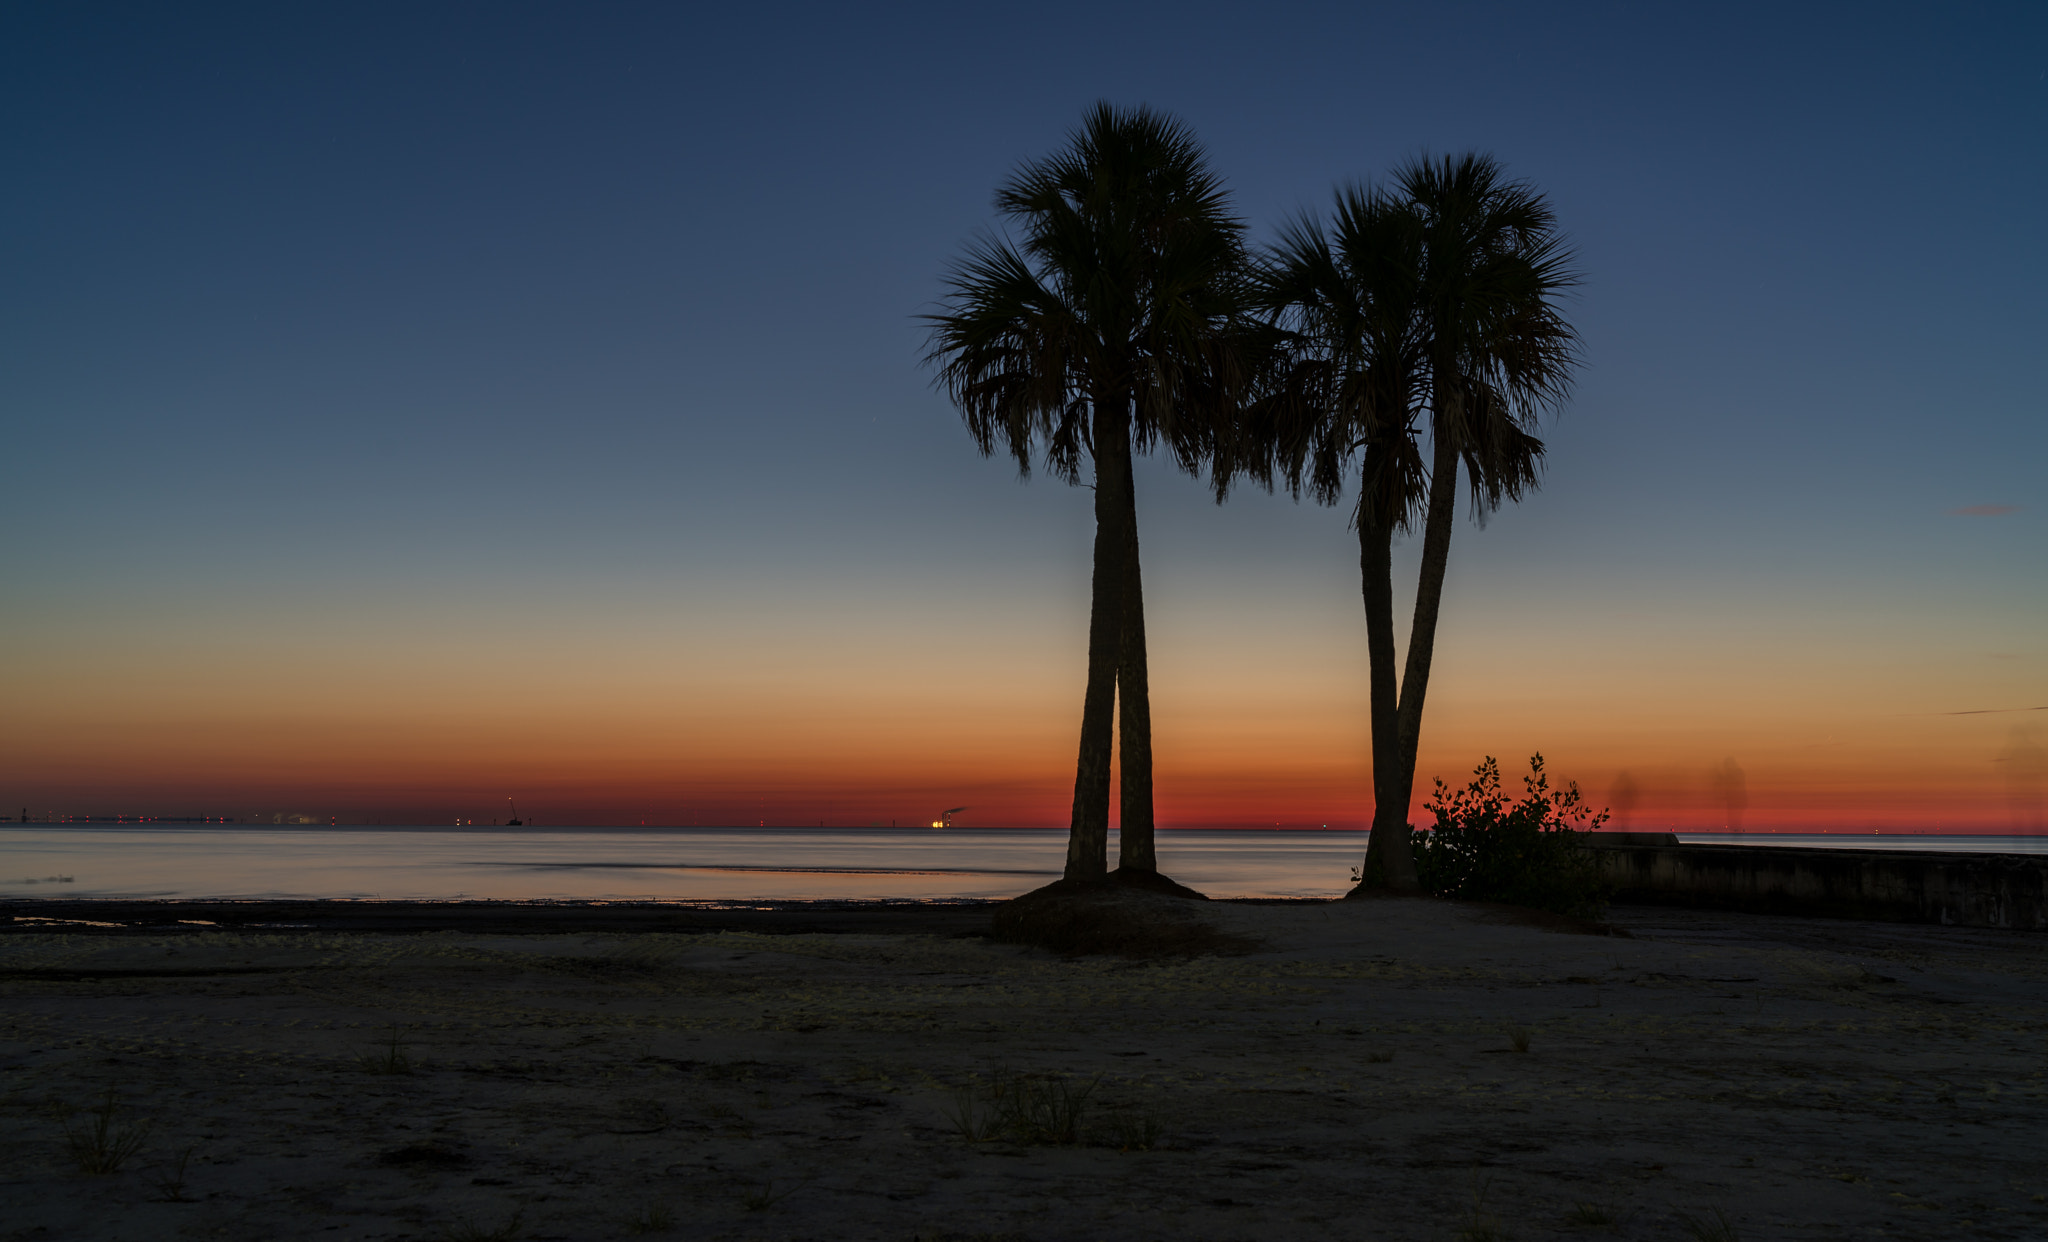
<point x="1593" y="1216"/>
<point x="1710" y="1225"/>
<point x="169" y="1180"/>
<point x="467" y="1230"/>
<point x="104" y="1144"/>
<point x="975" y="1116"/>
<point x="1378" y="1056"/>
<point x="760" y="1196"/>
<point x="654" y="1218"/>
<point x="1037" y="1110"/>
<point x="1481" y="1225"/>
<point x="392" y="1060"/>
<point x="1518" y="1038"/>
<point x="1047" y="1111"/>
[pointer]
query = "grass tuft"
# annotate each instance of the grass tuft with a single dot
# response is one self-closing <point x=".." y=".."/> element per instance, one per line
<point x="104" y="1144"/>
<point x="654" y="1218"/>
<point x="1518" y="1038"/>
<point x="976" y="1116"/>
<point x="170" y="1180"/>
<point x="1047" y="1111"/>
<point x="1593" y="1216"/>
<point x="760" y="1196"/>
<point x="1711" y="1225"/>
<point x="1036" y="1110"/>
<point x="392" y="1060"/>
<point x="1481" y="1225"/>
<point x="1378" y="1056"/>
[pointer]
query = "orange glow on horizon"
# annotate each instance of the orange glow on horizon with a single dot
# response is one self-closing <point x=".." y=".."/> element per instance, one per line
<point x="885" y="716"/>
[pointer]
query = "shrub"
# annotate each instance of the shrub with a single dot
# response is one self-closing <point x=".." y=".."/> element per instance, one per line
<point x="1526" y="853"/>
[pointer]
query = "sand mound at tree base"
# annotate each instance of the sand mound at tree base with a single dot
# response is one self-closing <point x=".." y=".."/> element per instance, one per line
<point x="1153" y="882"/>
<point x="1132" y="914"/>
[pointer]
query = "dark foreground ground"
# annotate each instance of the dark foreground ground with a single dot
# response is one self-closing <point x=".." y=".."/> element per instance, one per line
<point x="1400" y="1069"/>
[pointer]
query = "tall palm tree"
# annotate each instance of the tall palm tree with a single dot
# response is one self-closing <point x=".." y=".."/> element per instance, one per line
<point x="1106" y="331"/>
<point x="1432" y="302"/>
<point x="1346" y="298"/>
<point x="1498" y="354"/>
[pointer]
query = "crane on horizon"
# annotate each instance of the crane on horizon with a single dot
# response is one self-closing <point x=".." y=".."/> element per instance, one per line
<point x="945" y="819"/>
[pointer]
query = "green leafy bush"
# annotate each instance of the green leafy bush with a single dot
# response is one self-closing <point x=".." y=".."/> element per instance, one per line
<point x="1527" y="853"/>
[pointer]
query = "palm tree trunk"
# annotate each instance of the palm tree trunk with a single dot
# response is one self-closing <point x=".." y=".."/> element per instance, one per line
<point x="1389" y="863"/>
<point x="1429" y="593"/>
<point x="1088" y="834"/>
<point x="1135" y="850"/>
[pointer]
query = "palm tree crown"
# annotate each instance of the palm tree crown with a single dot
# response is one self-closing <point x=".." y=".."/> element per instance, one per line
<point x="1499" y="352"/>
<point x="1130" y="263"/>
<point x="1344" y="371"/>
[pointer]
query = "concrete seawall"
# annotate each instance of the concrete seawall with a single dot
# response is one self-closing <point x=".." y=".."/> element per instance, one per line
<point x="1961" y="890"/>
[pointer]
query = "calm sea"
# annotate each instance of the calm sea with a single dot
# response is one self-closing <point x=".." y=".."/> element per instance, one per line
<point x="683" y="864"/>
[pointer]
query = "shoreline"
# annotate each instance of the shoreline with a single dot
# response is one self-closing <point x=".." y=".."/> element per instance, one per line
<point x="878" y="916"/>
<point x="963" y="916"/>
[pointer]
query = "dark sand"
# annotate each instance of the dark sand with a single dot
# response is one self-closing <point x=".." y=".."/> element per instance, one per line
<point x="589" y="1071"/>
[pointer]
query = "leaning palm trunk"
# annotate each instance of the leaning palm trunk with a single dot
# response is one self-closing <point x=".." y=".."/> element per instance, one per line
<point x="1135" y="850"/>
<point x="1115" y="536"/>
<point x="1429" y="593"/>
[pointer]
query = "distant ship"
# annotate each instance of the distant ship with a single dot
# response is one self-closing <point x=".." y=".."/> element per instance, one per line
<point x="515" y="821"/>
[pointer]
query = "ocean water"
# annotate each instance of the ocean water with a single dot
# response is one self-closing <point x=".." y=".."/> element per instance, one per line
<point x="629" y="864"/>
<point x="689" y="864"/>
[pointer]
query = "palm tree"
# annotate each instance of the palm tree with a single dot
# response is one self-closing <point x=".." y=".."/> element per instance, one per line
<point x="1498" y="354"/>
<point x="1108" y="330"/>
<point x="1432" y="302"/>
<point x="1346" y="389"/>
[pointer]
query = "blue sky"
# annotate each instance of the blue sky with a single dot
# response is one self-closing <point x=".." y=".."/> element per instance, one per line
<point x="407" y="328"/>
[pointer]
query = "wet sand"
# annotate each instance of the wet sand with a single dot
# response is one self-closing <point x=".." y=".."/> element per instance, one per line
<point x="596" y="1072"/>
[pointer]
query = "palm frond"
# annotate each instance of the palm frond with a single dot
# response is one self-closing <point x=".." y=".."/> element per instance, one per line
<point x="1499" y="351"/>
<point x="1126" y="286"/>
<point x="1345" y="393"/>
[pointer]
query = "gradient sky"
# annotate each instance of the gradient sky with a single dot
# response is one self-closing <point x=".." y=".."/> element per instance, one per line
<point x="405" y="406"/>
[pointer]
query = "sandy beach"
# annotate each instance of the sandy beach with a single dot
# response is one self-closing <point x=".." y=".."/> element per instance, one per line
<point x="1357" y="1075"/>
